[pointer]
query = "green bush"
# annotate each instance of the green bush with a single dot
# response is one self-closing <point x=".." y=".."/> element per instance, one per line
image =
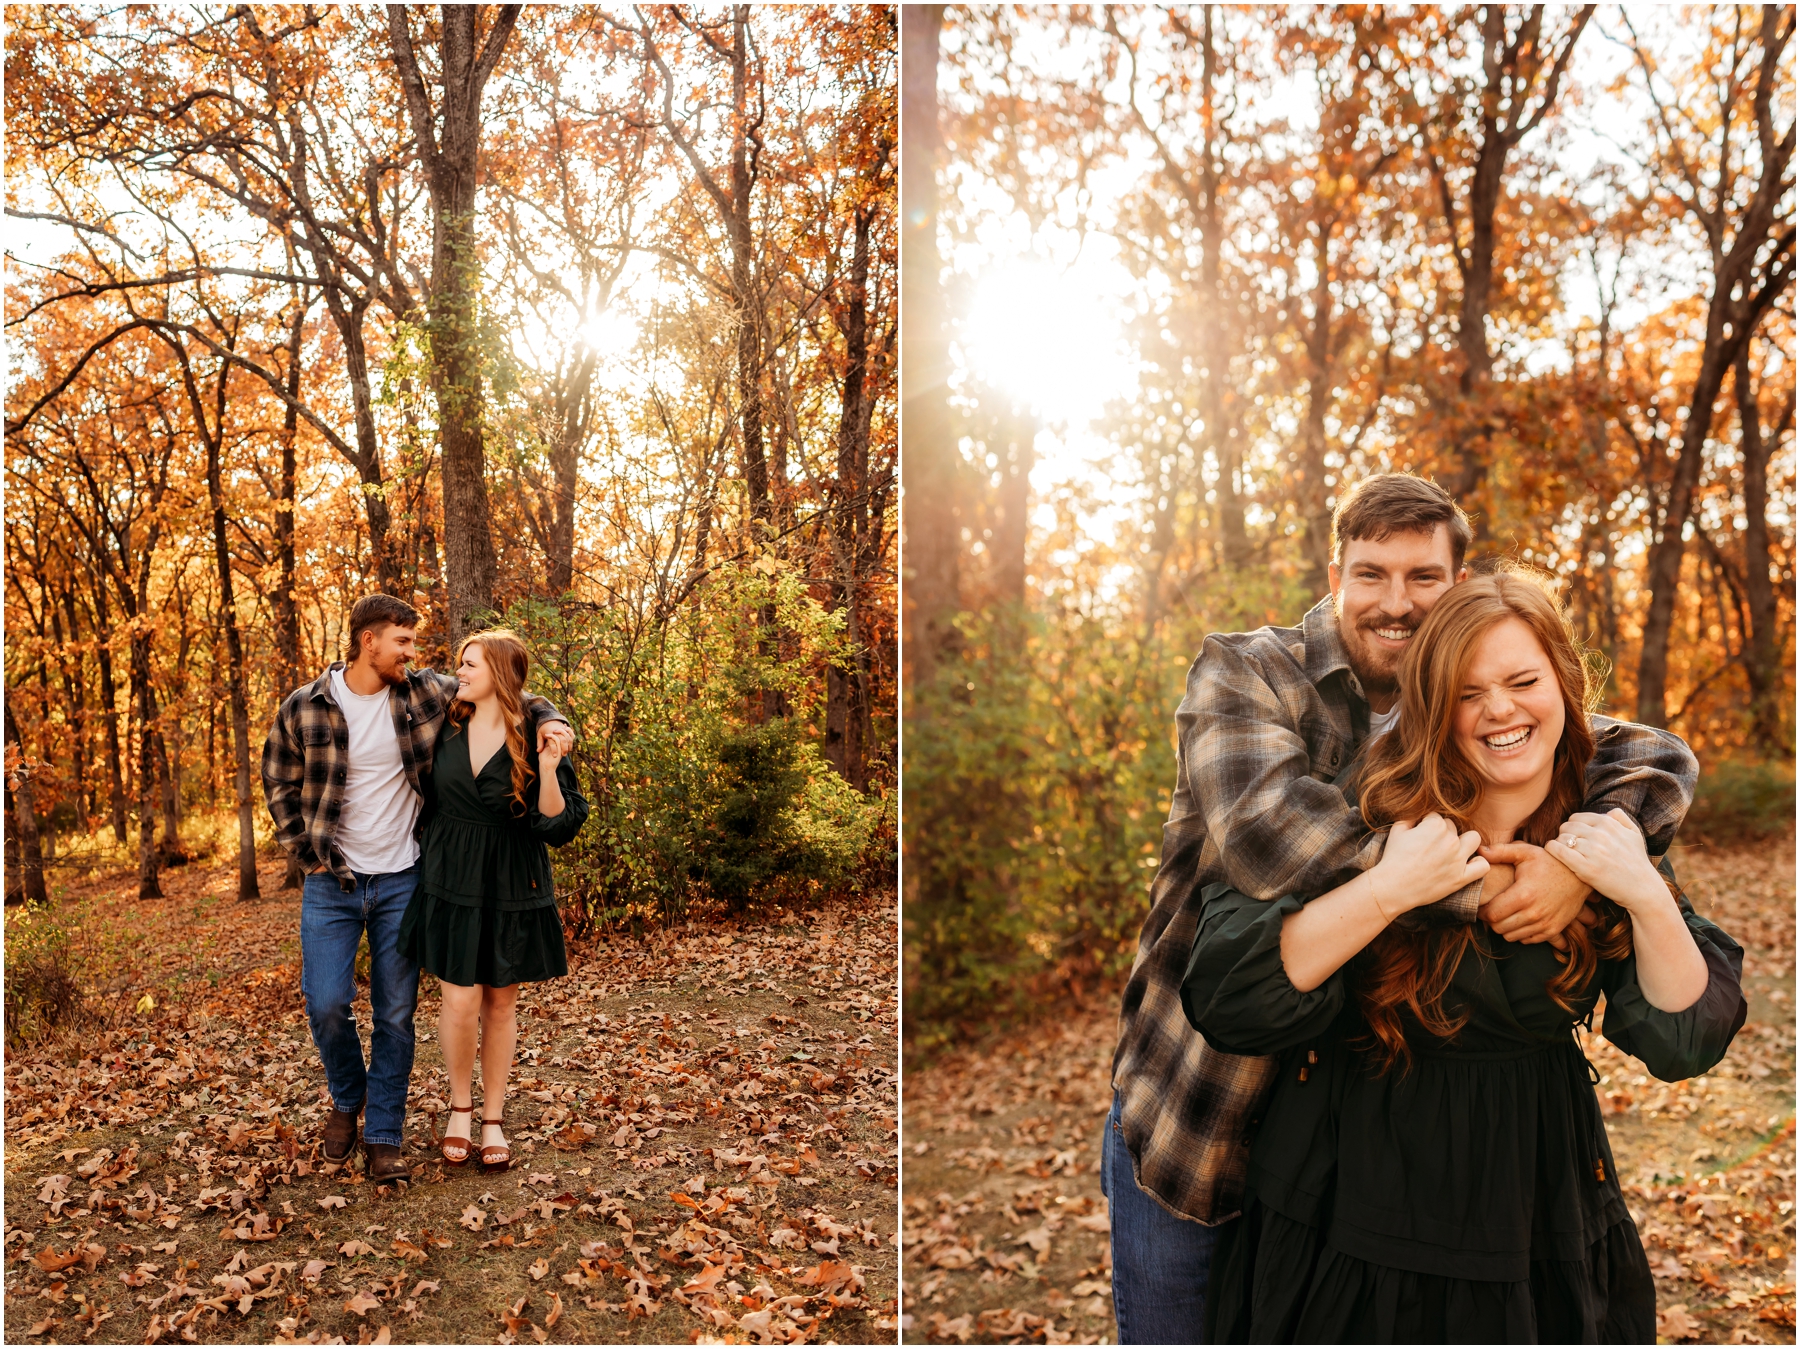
<point x="1741" y="800"/>
<point x="43" y="968"/>
<point x="695" y="793"/>
<point x="782" y="819"/>
<point x="1039" y="765"/>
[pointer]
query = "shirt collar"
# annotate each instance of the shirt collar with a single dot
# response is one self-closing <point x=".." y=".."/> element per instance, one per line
<point x="1325" y="650"/>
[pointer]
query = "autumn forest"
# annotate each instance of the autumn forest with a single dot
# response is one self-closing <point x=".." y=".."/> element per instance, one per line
<point x="577" y="319"/>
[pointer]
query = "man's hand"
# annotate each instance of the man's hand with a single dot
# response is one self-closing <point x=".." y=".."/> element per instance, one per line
<point x="556" y="735"/>
<point x="1544" y="898"/>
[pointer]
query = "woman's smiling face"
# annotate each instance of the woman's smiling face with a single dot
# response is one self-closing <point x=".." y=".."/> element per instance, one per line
<point x="1510" y="711"/>
<point x="474" y="681"/>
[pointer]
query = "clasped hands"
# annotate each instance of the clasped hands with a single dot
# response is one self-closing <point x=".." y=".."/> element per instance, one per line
<point x="555" y="741"/>
<point x="1548" y="887"/>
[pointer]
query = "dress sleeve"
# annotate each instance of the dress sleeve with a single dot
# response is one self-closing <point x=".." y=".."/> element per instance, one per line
<point x="1677" y="1045"/>
<point x="556" y="830"/>
<point x="1236" y="991"/>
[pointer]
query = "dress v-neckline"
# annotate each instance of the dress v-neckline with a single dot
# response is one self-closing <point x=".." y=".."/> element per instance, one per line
<point x="469" y="745"/>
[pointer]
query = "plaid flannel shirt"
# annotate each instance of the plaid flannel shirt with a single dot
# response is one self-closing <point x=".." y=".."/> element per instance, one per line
<point x="306" y="758"/>
<point x="1269" y="720"/>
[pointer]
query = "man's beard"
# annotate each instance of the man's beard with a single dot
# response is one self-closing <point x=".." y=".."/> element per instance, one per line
<point x="1376" y="669"/>
<point x="393" y="672"/>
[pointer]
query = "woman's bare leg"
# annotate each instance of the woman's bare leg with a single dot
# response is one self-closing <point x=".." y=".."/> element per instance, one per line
<point x="499" y="1037"/>
<point x="459" y="1017"/>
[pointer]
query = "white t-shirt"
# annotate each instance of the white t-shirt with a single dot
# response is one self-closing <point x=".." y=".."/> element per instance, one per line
<point x="375" y="826"/>
<point x="1383" y="721"/>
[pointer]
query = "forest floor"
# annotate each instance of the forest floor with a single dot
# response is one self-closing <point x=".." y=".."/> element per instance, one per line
<point x="703" y="1124"/>
<point x="1005" y="1232"/>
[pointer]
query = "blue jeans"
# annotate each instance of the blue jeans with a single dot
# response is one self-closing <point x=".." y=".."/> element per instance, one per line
<point x="1160" y="1262"/>
<point x="332" y="920"/>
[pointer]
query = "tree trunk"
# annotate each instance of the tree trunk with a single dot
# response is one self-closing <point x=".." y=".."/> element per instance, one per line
<point x="74" y="695"/>
<point x="749" y="332"/>
<point x="286" y="608"/>
<point x="109" y="709"/>
<point x="24" y="818"/>
<point x="1017" y="440"/>
<point x="449" y="147"/>
<point x="1314" y="512"/>
<point x="1663" y="574"/>
<point x="168" y="781"/>
<point x="932" y="546"/>
<point x="1761" y="658"/>
<point x="144" y="698"/>
<point x="234" y="651"/>
<point x="572" y="418"/>
<point x="845" y="693"/>
<point x="1221" y="438"/>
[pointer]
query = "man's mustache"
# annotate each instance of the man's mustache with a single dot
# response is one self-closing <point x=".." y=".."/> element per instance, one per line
<point x="1410" y="624"/>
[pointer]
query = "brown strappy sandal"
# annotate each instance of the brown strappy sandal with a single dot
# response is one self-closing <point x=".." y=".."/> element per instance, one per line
<point x="460" y="1157"/>
<point x="496" y="1156"/>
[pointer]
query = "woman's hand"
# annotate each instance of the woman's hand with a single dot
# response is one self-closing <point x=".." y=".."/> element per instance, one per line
<point x="555" y="735"/>
<point x="1423" y="863"/>
<point x="1607" y="853"/>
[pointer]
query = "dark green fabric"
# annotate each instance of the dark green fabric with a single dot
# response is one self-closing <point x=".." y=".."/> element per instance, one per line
<point x="478" y="848"/>
<point x="492" y="946"/>
<point x="485" y="911"/>
<point x="1484" y="1164"/>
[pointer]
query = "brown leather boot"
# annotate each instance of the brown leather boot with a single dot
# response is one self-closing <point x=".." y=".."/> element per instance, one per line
<point x="339" y="1139"/>
<point x="385" y="1162"/>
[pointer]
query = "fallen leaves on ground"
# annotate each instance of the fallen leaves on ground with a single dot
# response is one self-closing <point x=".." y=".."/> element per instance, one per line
<point x="1005" y="1234"/>
<point x="677" y="1104"/>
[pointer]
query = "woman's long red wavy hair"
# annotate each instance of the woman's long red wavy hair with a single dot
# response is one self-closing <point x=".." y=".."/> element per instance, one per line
<point x="509" y="662"/>
<point x="1418" y="768"/>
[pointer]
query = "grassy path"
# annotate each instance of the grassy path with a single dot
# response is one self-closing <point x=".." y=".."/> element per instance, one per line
<point x="1004" y="1229"/>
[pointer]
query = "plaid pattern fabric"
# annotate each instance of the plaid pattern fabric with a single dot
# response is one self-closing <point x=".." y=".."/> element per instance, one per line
<point x="1270" y="719"/>
<point x="306" y="757"/>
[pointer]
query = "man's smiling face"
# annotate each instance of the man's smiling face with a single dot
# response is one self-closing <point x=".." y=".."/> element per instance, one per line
<point x="1383" y="589"/>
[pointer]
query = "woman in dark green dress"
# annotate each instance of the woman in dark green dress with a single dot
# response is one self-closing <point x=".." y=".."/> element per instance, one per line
<point x="1430" y="1165"/>
<point x="484" y="919"/>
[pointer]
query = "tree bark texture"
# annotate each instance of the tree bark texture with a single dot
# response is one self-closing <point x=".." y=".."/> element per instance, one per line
<point x="1745" y="283"/>
<point x="449" y="142"/>
<point x="23" y="817"/>
<point x="932" y="544"/>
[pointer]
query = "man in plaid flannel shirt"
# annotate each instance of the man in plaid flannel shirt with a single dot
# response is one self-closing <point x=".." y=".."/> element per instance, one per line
<point x="1269" y="720"/>
<point x="344" y="772"/>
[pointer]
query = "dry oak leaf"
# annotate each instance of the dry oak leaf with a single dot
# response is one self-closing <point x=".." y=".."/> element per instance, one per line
<point x="705" y="1280"/>
<point x="538" y="1268"/>
<point x="830" y="1275"/>
<point x="555" y="1311"/>
<point x="362" y="1304"/>
<point x="355" y="1247"/>
<point x="332" y="1201"/>
<point x="473" y="1218"/>
<point x="944" y="1329"/>
<point x="1676" y="1324"/>
<point x="53" y="1261"/>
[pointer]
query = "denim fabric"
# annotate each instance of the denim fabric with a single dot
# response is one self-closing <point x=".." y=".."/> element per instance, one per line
<point x="1160" y="1262"/>
<point x="332" y="920"/>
